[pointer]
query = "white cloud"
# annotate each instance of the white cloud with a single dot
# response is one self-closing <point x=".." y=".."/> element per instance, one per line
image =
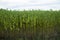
<point x="14" y="1"/>
<point x="30" y="4"/>
<point x="42" y="1"/>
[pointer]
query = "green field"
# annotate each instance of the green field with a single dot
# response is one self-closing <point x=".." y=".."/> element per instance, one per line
<point x="29" y="25"/>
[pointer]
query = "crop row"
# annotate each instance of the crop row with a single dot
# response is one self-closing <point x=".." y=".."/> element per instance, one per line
<point x="30" y="25"/>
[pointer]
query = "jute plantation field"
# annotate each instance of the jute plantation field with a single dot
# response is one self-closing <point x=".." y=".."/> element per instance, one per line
<point x="29" y="25"/>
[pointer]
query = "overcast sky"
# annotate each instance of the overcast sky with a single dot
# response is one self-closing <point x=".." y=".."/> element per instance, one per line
<point x="30" y="4"/>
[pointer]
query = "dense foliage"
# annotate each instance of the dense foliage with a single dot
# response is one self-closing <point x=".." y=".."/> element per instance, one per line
<point x="29" y="25"/>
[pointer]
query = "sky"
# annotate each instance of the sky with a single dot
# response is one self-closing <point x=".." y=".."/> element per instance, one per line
<point x="30" y="4"/>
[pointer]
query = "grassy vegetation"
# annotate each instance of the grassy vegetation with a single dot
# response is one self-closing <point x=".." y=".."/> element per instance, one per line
<point x="29" y="25"/>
